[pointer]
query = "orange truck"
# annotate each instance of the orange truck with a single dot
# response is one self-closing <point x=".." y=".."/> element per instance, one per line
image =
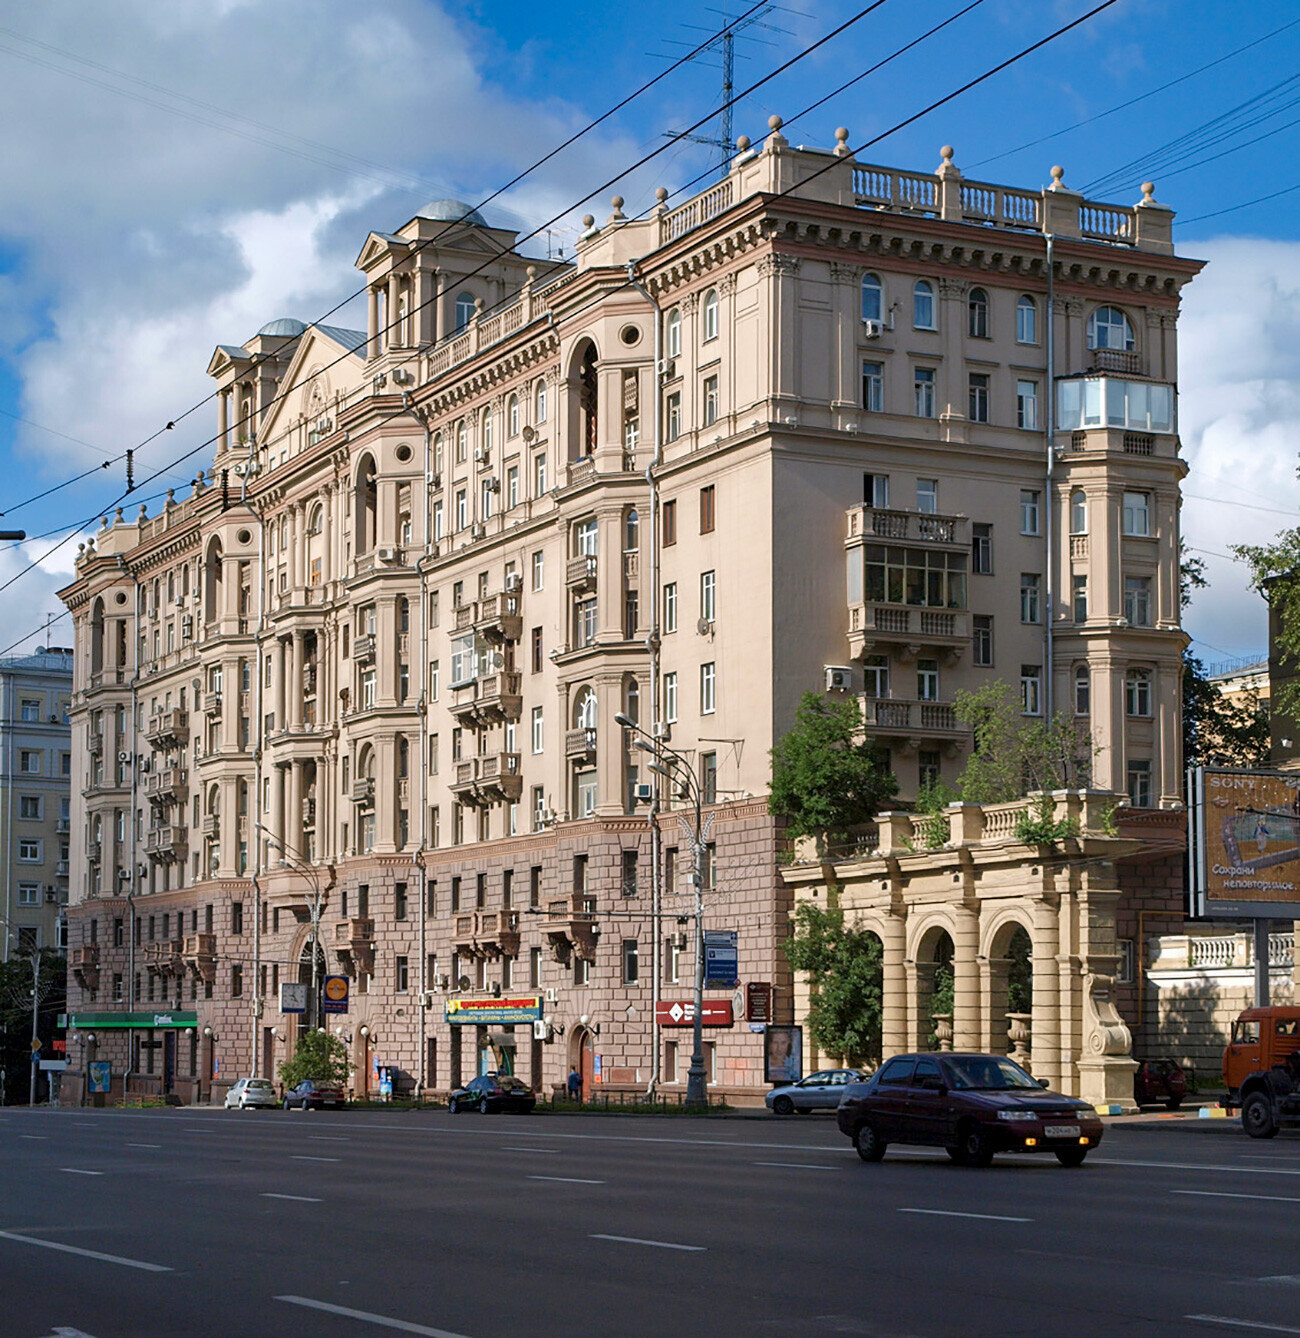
<point x="1261" y="1069"/>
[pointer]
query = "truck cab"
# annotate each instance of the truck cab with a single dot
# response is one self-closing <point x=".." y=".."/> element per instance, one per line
<point x="1261" y="1069"/>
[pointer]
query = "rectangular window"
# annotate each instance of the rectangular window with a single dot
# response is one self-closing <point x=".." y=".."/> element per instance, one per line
<point x="981" y="549"/>
<point x="670" y="607"/>
<point x="1082" y="691"/>
<point x="673" y="416"/>
<point x="708" y="512"/>
<point x="875" y="676"/>
<point x="585" y="622"/>
<point x="978" y="397"/>
<point x="875" y="490"/>
<point x="1027" y="405"/>
<point x="709" y="778"/>
<point x="873" y="387"/>
<point x="400" y="901"/>
<point x="928" y="765"/>
<point x="539" y="566"/>
<point x="927" y="680"/>
<point x="1137" y="600"/>
<point x="982" y="641"/>
<point x="670" y="698"/>
<point x="628" y="880"/>
<point x="710" y="400"/>
<point x="236" y="917"/>
<point x="927" y="496"/>
<point x="29" y="852"/>
<point x="29" y="710"/>
<point x="434" y="680"/>
<point x="29" y="762"/>
<point x="1031" y="689"/>
<point x="923" y="386"/>
<point x="539" y="476"/>
<point x="535" y="642"/>
<point x="464" y="661"/>
<point x="537" y="729"/>
<point x="462" y="509"/>
<point x="401" y="974"/>
<point x="1029" y="499"/>
<point x="29" y="894"/>
<point x="1139" y="784"/>
<point x="708" y="596"/>
<point x="512" y="486"/>
<point x="585" y="538"/>
<point x="1079" y="598"/>
<point x="631" y="961"/>
<point x="708" y="688"/>
<point x="29" y="806"/>
<point x="1137" y="513"/>
<point x="585" y="787"/>
<point x="1029" y="600"/>
<point x="1137" y="693"/>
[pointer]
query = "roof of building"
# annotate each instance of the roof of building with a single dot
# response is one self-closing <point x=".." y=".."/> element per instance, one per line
<point x="286" y="325"/>
<point x="54" y="660"/>
<point x="350" y="339"/>
<point x="452" y="211"/>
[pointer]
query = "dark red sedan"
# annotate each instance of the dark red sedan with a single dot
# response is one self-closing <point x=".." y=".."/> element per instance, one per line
<point x="972" y="1105"/>
<point x="1159" y="1080"/>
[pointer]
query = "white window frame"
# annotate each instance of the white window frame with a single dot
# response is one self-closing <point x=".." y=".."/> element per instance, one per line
<point x="924" y="315"/>
<point x="670" y="607"/>
<point x="1030" y="511"/>
<point x="708" y="687"/>
<point x="1026" y="320"/>
<point x="1137" y="515"/>
<point x="670" y="699"/>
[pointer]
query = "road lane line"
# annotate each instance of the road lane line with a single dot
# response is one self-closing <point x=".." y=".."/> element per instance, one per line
<point x="566" y="1179"/>
<point x="1291" y="1279"/>
<point x="1242" y="1323"/>
<point x="85" y="1254"/>
<point x="72" y="1170"/>
<point x="798" y="1165"/>
<point x="981" y="1217"/>
<point x="326" y="1138"/>
<point x="1189" y="1166"/>
<point x="657" y="1244"/>
<point x="296" y="1198"/>
<point x="384" y="1321"/>
<point x="144" y="1145"/>
<point x="37" y="1137"/>
<point x="545" y="1152"/>
<point x="301" y="1156"/>
<point x="1217" y="1194"/>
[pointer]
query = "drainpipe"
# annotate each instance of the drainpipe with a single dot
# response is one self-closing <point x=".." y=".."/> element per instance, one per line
<point x="652" y="646"/>
<point x="131" y="822"/>
<point x="1049" y="425"/>
<point x="255" y="813"/>
<point x="6" y="707"/>
<point x="421" y="873"/>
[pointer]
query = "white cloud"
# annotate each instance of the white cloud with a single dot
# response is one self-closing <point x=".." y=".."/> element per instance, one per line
<point x="1239" y="382"/>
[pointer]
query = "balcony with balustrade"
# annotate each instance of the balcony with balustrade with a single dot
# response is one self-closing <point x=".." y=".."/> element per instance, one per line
<point x="570" y="927"/>
<point x="499" y="618"/>
<point x="353" y="941"/>
<point x="168" y="729"/>
<point x="85" y="965"/>
<point x="489" y="700"/>
<point x="199" y="953"/>
<point x="492" y="779"/>
<point x="166" y="785"/>
<point x="891" y="720"/>
<point x="166" y="844"/>
<point x="165" y="957"/>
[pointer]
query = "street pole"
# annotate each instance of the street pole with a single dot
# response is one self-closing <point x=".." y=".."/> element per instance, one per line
<point x="697" y="1096"/>
<point x="36" y="1001"/>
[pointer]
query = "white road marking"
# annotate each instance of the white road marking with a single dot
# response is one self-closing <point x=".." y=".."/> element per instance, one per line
<point x="85" y="1254"/>
<point x="1189" y="1166"/>
<point x="1241" y="1323"/>
<point x="402" y="1325"/>
<point x="566" y="1179"/>
<point x="72" y="1170"/>
<point x="326" y="1138"/>
<point x="544" y="1152"/>
<point x="144" y="1145"/>
<point x="296" y="1198"/>
<point x="798" y="1165"/>
<point x="300" y="1156"/>
<point x="37" y="1137"/>
<point x="982" y="1217"/>
<point x="657" y="1244"/>
<point x="69" y="1333"/>
<point x="1293" y="1279"/>
<point x="1218" y="1194"/>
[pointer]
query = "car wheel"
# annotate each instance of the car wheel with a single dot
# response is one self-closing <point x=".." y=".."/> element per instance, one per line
<point x="452" y="1107"/>
<point x="1173" y="1103"/>
<point x="783" y="1106"/>
<point x="1072" y="1156"/>
<point x="483" y="1106"/>
<point x="288" y="1105"/>
<point x="1257" y="1116"/>
<point x="974" y="1148"/>
<point x="870" y="1145"/>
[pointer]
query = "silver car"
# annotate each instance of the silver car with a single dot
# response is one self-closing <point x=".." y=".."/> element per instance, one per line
<point x="818" y="1091"/>
<point x="251" y="1092"/>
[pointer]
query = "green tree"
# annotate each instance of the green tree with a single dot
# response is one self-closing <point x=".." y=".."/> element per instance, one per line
<point x="16" y="976"/>
<point x="1275" y="573"/>
<point x="843" y="965"/>
<point x="826" y="780"/>
<point x="318" y="1055"/>
<point x="1013" y="754"/>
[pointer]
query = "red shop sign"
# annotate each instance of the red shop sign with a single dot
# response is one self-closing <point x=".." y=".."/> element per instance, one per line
<point x="681" y="1013"/>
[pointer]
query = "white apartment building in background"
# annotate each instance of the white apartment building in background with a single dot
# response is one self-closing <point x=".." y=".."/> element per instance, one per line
<point x="36" y="797"/>
<point x="907" y="433"/>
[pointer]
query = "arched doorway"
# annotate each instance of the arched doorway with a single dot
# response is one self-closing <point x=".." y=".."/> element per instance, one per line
<point x="312" y="1018"/>
<point x="584" y="1044"/>
<point x="934" y="989"/>
<point x="1011" y="981"/>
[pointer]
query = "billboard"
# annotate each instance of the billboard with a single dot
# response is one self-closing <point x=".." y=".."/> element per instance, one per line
<point x="524" y="1008"/>
<point x="1245" y="840"/>
<point x="783" y="1054"/>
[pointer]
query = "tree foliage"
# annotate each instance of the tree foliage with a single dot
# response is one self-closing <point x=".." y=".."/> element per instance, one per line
<point x="1275" y="573"/>
<point x="16" y="977"/>
<point x="318" y="1055"/>
<point x="825" y="779"/>
<point x="1013" y="754"/>
<point x="843" y="965"/>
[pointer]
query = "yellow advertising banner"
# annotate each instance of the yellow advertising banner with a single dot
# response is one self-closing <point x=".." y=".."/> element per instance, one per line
<point x="1247" y="836"/>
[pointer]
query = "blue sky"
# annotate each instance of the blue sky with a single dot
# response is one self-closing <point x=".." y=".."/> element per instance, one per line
<point x="183" y="173"/>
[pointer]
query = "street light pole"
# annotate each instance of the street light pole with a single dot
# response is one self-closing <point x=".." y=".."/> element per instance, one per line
<point x="299" y="865"/>
<point x="36" y="1002"/>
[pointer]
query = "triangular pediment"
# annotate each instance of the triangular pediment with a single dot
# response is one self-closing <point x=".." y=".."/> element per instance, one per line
<point x="339" y="357"/>
<point x="379" y="246"/>
<point x="227" y="357"/>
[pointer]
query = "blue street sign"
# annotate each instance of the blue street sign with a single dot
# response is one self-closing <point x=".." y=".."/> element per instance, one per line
<point x="721" y="960"/>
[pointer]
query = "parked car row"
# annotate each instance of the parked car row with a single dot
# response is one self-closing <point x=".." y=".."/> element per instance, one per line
<point x="488" y="1094"/>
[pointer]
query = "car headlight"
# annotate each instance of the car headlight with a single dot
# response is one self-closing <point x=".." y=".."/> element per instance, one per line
<point x="1016" y="1115"/>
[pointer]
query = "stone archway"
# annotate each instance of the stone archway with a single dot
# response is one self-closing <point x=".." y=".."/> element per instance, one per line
<point x="934" y="987"/>
<point x="1008" y="980"/>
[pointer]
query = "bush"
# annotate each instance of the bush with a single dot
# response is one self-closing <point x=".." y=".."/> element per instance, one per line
<point x="317" y="1055"/>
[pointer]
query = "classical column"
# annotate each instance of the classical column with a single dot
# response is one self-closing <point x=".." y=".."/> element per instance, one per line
<point x="372" y="320"/>
<point x="223" y="420"/>
<point x="393" y="307"/>
<point x="965" y="979"/>
<point x="293" y="834"/>
<point x="281" y="717"/>
<point x="1045" y="1033"/>
<point x="897" y="985"/>
<point x="912" y="1041"/>
<point x="293" y="686"/>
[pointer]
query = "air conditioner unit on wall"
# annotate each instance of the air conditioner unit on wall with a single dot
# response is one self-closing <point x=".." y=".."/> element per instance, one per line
<point x="551" y="994"/>
<point x="385" y="554"/>
<point x="872" y="329"/>
<point x="514" y="583"/>
<point x="541" y="1030"/>
<point x="839" y="678"/>
<point x="645" y="793"/>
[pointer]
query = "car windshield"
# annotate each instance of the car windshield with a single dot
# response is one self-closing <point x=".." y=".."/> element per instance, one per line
<point x="989" y="1074"/>
<point x="259" y="1084"/>
<point x="510" y="1084"/>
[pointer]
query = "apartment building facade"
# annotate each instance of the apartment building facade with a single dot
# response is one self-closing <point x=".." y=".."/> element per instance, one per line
<point x="826" y="426"/>
<point x="35" y="796"/>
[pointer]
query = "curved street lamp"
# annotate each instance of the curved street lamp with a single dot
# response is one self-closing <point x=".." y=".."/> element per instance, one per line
<point x="294" y="860"/>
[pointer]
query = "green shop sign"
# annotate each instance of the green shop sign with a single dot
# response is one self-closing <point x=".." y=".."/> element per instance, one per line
<point x="148" y="1021"/>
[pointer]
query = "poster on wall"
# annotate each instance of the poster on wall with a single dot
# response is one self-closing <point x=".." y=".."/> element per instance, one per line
<point x="783" y="1054"/>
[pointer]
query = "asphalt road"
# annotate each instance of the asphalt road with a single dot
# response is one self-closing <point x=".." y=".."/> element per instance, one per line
<point x="119" y="1224"/>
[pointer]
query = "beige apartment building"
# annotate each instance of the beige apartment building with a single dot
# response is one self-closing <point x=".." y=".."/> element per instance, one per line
<point x="825" y="426"/>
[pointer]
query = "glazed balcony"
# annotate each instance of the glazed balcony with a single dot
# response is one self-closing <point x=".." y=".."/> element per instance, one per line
<point x="166" y="844"/>
<point x="876" y="625"/>
<point x="168" y="729"/>
<point x="165" y="958"/>
<point x="499" y="618"/>
<point x="489" y="700"/>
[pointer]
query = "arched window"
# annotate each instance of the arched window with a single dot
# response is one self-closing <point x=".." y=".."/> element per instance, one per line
<point x="1082" y="691"/>
<point x="873" y="298"/>
<point x="464" y="310"/>
<point x="584" y="712"/>
<point x="437" y="453"/>
<point x="366" y="499"/>
<point x="512" y="415"/>
<point x="1026" y="320"/>
<point x="1108" y="327"/>
<point x="710" y="314"/>
<point x="1078" y="512"/>
<point x="977" y="310"/>
<point x="631" y="532"/>
<point x="632" y="701"/>
<point x="316" y="519"/>
<point x="462" y="442"/>
<point x="539" y="403"/>
<point x="487" y="429"/>
<point x="923" y="305"/>
<point x="403" y="756"/>
<point x="673" y="334"/>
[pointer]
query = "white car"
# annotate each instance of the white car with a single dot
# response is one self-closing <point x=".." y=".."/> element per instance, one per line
<point x="251" y="1092"/>
<point x="818" y="1091"/>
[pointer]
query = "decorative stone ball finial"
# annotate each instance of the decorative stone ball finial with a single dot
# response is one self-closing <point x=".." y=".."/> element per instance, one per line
<point x="144" y="511"/>
<point x="478" y="306"/>
<point x="946" y="153"/>
<point x="1148" y="192"/>
<point x="171" y="496"/>
<point x="1058" y="175"/>
<point x="774" y="122"/>
<point x="118" y="517"/>
<point x="617" y="202"/>
<point x="743" y="143"/>
<point x="588" y="220"/>
<point x="531" y="272"/>
<point x="842" y="141"/>
<point x="661" y="194"/>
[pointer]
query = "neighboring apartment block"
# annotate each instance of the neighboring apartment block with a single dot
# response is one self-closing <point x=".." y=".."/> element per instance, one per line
<point x="35" y="796"/>
<point x="823" y="427"/>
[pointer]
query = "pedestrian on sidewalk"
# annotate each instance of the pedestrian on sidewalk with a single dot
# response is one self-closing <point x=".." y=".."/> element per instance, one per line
<point x="575" y="1085"/>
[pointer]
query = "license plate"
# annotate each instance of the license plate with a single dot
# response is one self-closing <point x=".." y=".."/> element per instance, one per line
<point x="1060" y="1131"/>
